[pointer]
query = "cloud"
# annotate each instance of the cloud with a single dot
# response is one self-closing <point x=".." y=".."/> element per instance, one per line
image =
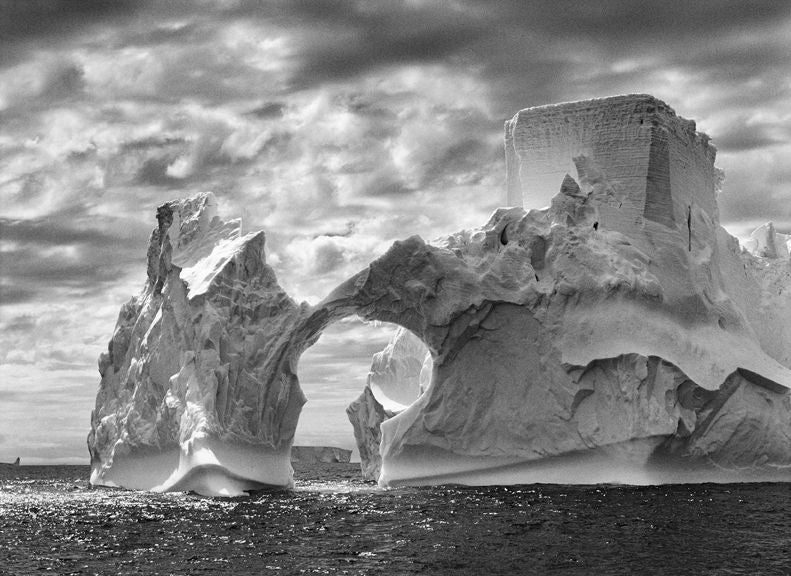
<point x="39" y="84"/>
<point x="62" y="257"/>
<point x="336" y="126"/>
<point x="333" y="373"/>
<point x="269" y="110"/>
<point x="745" y="137"/>
<point x="49" y="419"/>
<point x="394" y="34"/>
<point x="33" y="24"/>
<point x="760" y="193"/>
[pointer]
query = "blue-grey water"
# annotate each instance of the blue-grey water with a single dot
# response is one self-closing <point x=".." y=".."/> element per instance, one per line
<point x="51" y="522"/>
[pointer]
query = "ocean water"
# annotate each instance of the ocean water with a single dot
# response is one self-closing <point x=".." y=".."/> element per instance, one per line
<point x="51" y="522"/>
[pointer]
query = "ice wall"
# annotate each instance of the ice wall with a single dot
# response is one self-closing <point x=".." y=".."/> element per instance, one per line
<point x="636" y="141"/>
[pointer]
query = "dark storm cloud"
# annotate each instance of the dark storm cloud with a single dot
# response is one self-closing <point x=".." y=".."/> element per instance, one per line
<point x="741" y="136"/>
<point x="30" y="274"/>
<point x="340" y="40"/>
<point x="343" y="39"/>
<point x="153" y="142"/>
<point x="10" y="295"/>
<point x="464" y="162"/>
<point x="376" y="44"/>
<point x="269" y="110"/>
<point x="157" y="35"/>
<point x="153" y="171"/>
<point x="34" y="24"/>
<point x="64" y="82"/>
<point x="615" y="20"/>
<point x="62" y="258"/>
<point x="549" y="52"/>
<point x="38" y="18"/>
<point x="47" y="231"/>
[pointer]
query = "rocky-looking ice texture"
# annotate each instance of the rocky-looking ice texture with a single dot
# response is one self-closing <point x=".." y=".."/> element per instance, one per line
<point x="618" y="335"/>
<point x="196" y="390"/>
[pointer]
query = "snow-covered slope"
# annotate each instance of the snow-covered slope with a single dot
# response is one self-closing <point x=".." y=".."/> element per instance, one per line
<point x="618" y="335"/>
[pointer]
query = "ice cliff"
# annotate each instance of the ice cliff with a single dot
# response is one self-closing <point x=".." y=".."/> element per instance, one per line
<point x="619" y="334"/>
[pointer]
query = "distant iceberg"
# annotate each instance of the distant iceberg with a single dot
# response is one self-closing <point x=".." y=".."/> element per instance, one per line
<point x="320" y="454"/>
<point x="618" y="335"/>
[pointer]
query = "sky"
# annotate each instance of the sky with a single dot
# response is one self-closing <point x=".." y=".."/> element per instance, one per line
<point x="338" y="127"/>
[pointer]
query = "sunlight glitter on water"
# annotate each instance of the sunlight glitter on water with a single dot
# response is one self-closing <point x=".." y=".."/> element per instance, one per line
<point x="335" y="523"/>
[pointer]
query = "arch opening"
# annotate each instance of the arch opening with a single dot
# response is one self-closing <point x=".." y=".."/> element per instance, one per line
<point x="354" y="376"/>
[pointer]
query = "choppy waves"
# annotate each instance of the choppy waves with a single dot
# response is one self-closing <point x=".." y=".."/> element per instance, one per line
<point x="334" y="523"/>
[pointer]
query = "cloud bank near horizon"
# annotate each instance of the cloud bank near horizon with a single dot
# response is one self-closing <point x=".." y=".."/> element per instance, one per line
<point x="336" y="126"/>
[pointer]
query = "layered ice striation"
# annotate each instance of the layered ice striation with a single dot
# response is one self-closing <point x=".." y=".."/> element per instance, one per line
<point x="618" y="335"/>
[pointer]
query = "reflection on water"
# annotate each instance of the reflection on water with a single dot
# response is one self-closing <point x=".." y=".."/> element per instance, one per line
<point x="334" y="523"/>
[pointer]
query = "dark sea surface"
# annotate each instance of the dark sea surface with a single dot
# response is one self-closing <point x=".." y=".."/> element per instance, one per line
<point x="334" y="523"/>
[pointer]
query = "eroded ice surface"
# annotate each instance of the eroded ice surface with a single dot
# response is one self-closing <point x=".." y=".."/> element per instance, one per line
<point x="192" y="396"/>
<point x="618" y="335"/>
<point x="399" y="374"/>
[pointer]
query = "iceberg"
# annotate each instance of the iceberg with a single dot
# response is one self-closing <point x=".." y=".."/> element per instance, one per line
<point x="618" y="335"/>
<point x="320" y="454"/>
<point x="197" y="392"/>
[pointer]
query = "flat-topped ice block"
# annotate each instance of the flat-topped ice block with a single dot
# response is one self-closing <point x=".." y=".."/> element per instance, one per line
<point x="635" y="141"/>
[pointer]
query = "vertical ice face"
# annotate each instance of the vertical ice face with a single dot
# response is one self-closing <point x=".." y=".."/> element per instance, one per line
<point x="197" y="391"/>
<point x="635" y="141"/>
<point x="632" y="272"/>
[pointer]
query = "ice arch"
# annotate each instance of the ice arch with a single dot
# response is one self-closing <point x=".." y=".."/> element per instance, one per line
<point x="367" y="371"/>
<point x="199" y="385"/>
<point x="200" y="389"/>
<point x="564" y="331"/>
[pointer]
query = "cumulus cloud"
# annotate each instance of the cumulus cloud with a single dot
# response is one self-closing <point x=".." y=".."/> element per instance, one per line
<point x="337" y="126"/>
